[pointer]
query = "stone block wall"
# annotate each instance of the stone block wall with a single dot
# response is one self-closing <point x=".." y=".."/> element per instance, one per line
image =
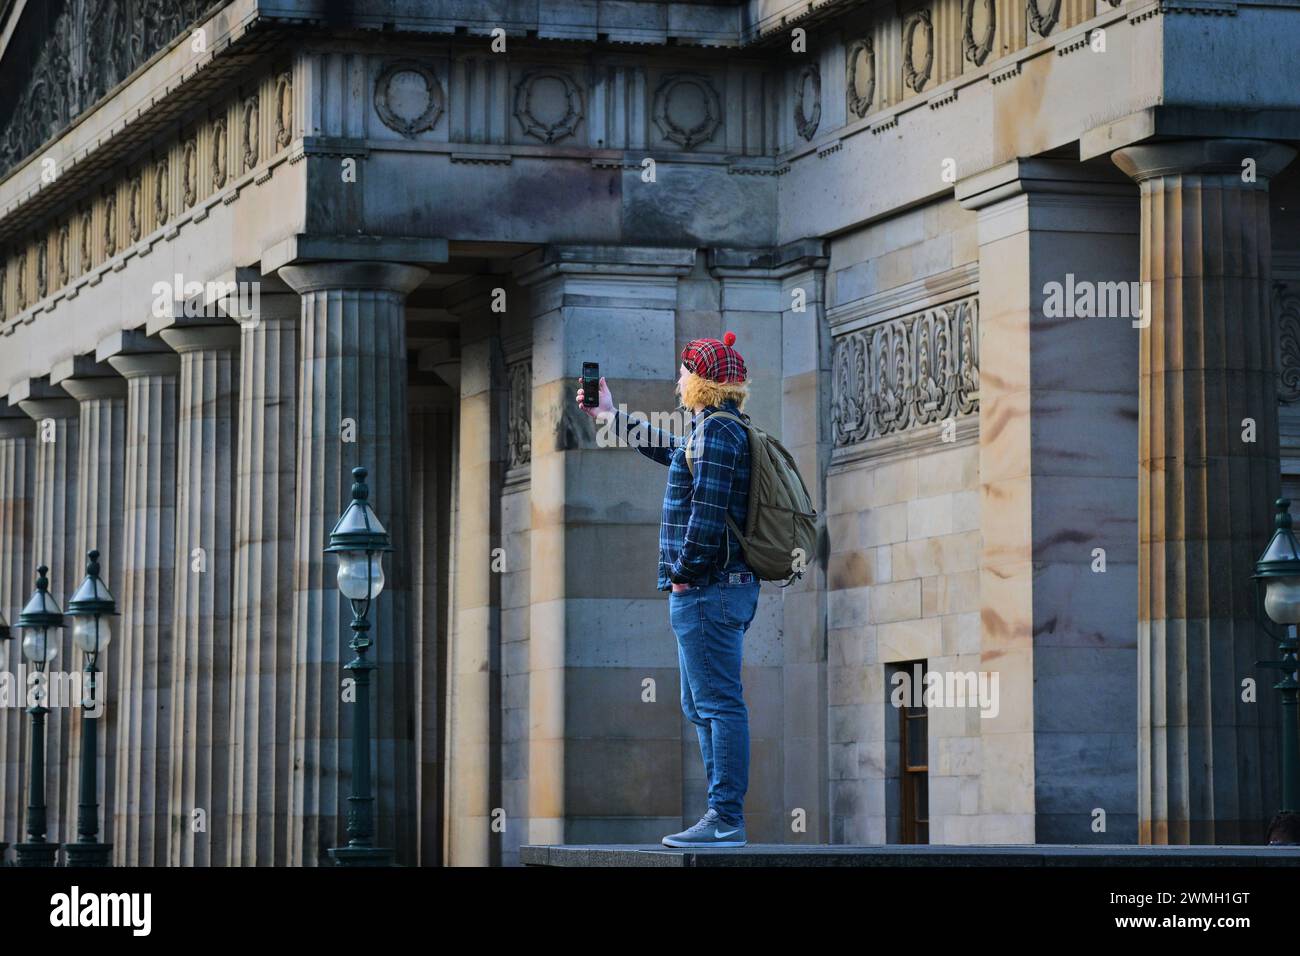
<point x="903" y="519"/>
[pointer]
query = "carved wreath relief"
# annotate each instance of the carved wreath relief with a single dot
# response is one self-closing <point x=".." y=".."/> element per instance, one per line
<point x="219" y="153"/>
<point x="110" y="223"/>
<point x="914" y="76"/>
<point x="161" y="192"/>
<point x="87" y="220"/>
<point x="408" y="98"/>
<point x="42" y="270"/>
<point x="283" y="110"/>
<point x="977" y="51"/>
<point x="906" y="372"/>
<point x="134" y="210"/>
<point x="190" y="173"/>
<point x="250" y="131"/>
<point x="532" y="93"/>
<point x="808" y="101"/>
<point x="1041" y="21"/>
<point x="687" y="109"/>
<point x="62" y="265"/>
<point x="860" y="79"/>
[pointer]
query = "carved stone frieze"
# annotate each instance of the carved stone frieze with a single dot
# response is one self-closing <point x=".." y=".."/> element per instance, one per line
<point x="808" y="101"/>
<point x="90" y="47"/>
<point x="906" y="372"/>
<point x="408" y="98"/>
<point x="534" y="86"/>
<point x="860" y="78"/>
<point x="519" y="429"/>
<point x="687" y="109"/>
<point x="1286" y="310"/>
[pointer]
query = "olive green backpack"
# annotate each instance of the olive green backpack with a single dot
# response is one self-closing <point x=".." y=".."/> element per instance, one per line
<point x="781" y="527"/>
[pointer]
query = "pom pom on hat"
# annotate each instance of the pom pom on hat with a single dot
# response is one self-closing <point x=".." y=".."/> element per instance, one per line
<point x="715" y="359"/>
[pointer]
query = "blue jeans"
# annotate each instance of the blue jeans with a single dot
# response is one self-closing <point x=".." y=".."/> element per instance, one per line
<point x="710" y="623"/>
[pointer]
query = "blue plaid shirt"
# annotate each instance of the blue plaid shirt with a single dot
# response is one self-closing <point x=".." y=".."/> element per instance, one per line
<point x="693" y="533"/>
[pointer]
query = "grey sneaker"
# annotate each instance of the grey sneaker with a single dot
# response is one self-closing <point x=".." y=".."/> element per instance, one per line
<point x="710" y="831"/>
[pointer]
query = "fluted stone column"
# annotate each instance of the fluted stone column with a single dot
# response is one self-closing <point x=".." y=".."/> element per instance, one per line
<point x="17" y="478"/>
<point x="144" y="654"/>
<point x="101" y="488"/>
<point x="1207" y="760"/>
<point x="469" y="698"/>
<point x="432" y="429"/>
<point x="261" y="759"/>
<point x="201" y="648"/>
<point x="352" y="411"/>
<point x="54" y="542"/>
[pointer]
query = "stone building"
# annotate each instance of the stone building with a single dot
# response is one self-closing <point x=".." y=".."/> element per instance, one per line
<point x="1010" y="278"/>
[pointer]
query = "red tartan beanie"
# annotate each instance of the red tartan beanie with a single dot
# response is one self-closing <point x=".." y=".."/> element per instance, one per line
<point x="715" y="360"/>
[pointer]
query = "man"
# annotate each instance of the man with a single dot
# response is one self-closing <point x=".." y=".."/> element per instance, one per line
<point x="713" y="592"/>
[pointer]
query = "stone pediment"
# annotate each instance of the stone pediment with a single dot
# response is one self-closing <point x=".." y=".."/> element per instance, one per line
<point x="63" y="56"/>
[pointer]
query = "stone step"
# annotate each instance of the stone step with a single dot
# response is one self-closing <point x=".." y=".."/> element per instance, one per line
<point x="776" y="854"/>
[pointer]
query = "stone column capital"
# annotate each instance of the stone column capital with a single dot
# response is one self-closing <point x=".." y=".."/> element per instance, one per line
<point x="200" y="338"/>
<point x="1043" y="177"/>
<point x="145" y="363"/>
<point x="670" y="262"/>
<point x="773" y="262"/>
<point x="89" y="389"/>
<point x="276" y="307"/>
<point x="1204" y="156"/>
<point x="17" y="427"/>
<point x="372" y="276"/>
<point x="39" y="409"/>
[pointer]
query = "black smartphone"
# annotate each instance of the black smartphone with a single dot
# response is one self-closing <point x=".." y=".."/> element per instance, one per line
<point x="590" y="384"/>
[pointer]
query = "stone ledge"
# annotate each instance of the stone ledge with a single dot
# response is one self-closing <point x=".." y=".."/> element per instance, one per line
<point x="776" y="854"/>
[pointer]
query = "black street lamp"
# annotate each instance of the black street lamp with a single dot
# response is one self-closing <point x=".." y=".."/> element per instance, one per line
<point x="1277" y="586"/>
<point x="38" y="618"/>
<point x="90" y="609"/>
<point x="359" y="540"/>
<point x="4" y="657"/>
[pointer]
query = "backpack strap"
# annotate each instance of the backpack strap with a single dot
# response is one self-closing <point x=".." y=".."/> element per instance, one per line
<point x="690" y="466"/>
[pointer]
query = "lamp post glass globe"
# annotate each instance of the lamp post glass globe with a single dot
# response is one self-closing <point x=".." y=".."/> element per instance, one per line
<point x="360" y="540"/>
<point x="90" y="610"/>
<point x="37" y="646"/>
<point x="357" y="569"/>
<point x="1282" y="600"/>
<point x="1278" y="569"/>
<point x="38" y="618"/>
<point x="91" y="633"/>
